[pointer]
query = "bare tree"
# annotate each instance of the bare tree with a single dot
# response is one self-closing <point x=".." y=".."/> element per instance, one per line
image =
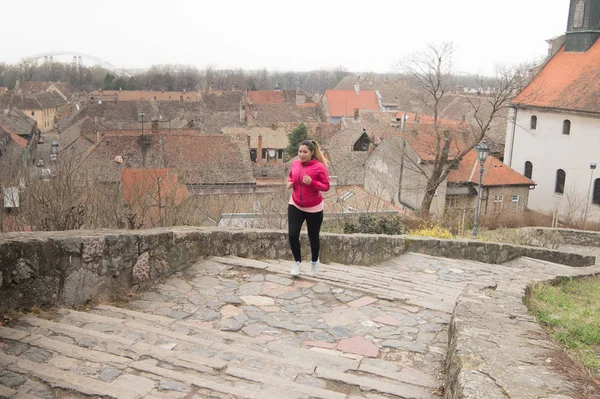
<point x="430" y="73"/>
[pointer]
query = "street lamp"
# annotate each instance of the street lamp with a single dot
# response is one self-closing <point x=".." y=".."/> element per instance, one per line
<point x="141" y="115"/>
<point x="482" y="152"/>
<point x="587" y="201"/>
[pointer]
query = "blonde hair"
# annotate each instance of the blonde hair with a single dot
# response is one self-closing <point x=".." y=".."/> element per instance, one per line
<point x="312" y="145"/>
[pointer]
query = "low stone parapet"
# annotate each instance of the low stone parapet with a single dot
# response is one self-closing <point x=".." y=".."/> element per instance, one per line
<point x="584" y="238"/>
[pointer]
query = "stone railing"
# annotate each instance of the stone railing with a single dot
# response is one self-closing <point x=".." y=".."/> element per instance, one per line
<point x="74" y="267"/>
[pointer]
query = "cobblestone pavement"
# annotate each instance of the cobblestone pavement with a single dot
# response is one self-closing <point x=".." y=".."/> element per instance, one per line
<point x="239" y="328"/>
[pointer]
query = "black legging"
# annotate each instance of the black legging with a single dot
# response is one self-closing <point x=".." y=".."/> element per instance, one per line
<point x="313" y="224"/>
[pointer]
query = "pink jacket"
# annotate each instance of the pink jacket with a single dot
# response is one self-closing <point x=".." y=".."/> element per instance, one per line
<point x="307" y="195"/>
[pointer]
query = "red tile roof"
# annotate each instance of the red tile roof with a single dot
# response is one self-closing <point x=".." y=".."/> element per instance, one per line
<point x="267" y="96"/>
<point x="568" y="81"/>
<point x="495" y="173"/>
<point x="140" y="183"/>
<point x="15" y="137"/>
<point x="198" y="159"/>
<point x="424" y="140"/>
<point x="344" y="102"/>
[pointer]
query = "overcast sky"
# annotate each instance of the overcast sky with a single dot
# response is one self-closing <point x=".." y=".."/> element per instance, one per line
<point x="282" y="35"/>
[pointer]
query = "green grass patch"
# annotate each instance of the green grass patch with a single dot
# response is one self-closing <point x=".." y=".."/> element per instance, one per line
<point x="569" y="308"/>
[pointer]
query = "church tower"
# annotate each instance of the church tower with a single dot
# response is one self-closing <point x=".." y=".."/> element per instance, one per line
<point x="583" y="27"/>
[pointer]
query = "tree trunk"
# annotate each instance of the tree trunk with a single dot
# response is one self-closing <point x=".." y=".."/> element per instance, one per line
<point x="426" y="204"/>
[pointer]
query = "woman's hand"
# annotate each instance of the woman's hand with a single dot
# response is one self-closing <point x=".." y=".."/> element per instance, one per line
<point x="306" y="180"/>
<point x="290" y="185"/>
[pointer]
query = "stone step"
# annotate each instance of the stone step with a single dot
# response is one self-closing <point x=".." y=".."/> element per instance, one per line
<point x="56" y="378"/>
<point x="217" y="336"/>
<point x="389" y="387"/>
<point x="399" y="284"/>
<point x="349" y="280"/>
<point x="188" y="369"/>
<point x="178" y="339"/>
<point x="283" y="384"/>
<point x="302" y="359"/>
<point x="399" y="280"/>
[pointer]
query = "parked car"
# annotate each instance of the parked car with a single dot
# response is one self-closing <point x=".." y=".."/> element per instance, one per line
<point x="53" y="157"/>
<point x="41" y="140"/>
<point x="40" y="163"/>
<point x="55" y="143"/>
<point x="53" y="150"/>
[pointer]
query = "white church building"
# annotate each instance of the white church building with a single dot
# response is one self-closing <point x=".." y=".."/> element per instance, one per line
<point x="553" y="136"/>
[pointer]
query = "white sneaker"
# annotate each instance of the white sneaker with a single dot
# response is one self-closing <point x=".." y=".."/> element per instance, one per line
<point x="314" y="268"/>
<point x="296" y="268"/>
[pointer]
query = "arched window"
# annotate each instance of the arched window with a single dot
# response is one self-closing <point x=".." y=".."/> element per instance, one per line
<point x="561" y="178"/>
<point x="528" y="170"/>
<point x="253" y="155"/>
<point x="579" y="13"/>
<point x="596" y="196"/>
<point x="566" y="127"/>
<point x="533" y="122"/>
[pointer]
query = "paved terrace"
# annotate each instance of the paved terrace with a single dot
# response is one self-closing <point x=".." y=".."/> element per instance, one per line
<point x="411" y="326"/>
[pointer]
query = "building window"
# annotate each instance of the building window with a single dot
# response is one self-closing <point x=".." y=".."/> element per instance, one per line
<point x="498" y="201"/>
<point x="596" y="196"/>
<point x="515" y="200"/>
<point x="32" y="113"/>
<point x="280" y="154"/>
<point x="528" y="170"/>
<point x="265" y="154"/>
<point x="566" y="127"/>
<point x="533" y="122"/>
<point x="561" y="178"/>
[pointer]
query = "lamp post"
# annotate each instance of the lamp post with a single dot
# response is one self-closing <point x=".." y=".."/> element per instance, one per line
<point x="141" y="115"/>
<point x="482" y="152"/>
<point x="587" y="200"/>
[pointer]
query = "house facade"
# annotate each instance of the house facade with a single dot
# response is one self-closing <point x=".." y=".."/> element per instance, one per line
<point x="504" y="190"/>
<point x="43" y="107"/>
<point x="552" y="135"/>
<point x="396" y="172"/>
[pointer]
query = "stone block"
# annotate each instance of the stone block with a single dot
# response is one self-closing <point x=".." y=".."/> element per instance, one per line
<point x="80" y="287"/>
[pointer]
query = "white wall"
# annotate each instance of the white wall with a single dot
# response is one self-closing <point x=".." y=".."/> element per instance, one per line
<point x="549" y="150"/>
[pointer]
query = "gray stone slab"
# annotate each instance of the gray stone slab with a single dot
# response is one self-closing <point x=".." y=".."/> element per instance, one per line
<point x="274" y="278"/>
<point x="173" y="386"/>
<point x="11" y="379"/>
<point x="108" y="375"/>
<point x="179" y="315"/>
<point x="406" y="345"/>
<point x="36" y="355"/>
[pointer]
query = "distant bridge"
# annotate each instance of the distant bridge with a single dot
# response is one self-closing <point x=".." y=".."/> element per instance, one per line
<point x="77" y="59"/>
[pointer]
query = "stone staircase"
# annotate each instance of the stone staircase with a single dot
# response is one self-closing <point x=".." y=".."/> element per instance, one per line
<point x="352" y="333"/>
<point x="239" y="328"/>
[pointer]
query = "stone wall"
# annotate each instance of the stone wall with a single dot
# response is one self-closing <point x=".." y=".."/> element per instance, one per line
<point x="568" y="236"/>
<point x="74" y="267"/>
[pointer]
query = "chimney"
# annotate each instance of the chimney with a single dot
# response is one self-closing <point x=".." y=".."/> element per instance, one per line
<point x="242" y="112"/>
<point x="403" y="122"/>
<point x="300" y="97"/>
<point x="248" y="138"/>
<point x="356" y="114"/>
<point x="357" y="88"/>
<point x="259" y="149"/>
